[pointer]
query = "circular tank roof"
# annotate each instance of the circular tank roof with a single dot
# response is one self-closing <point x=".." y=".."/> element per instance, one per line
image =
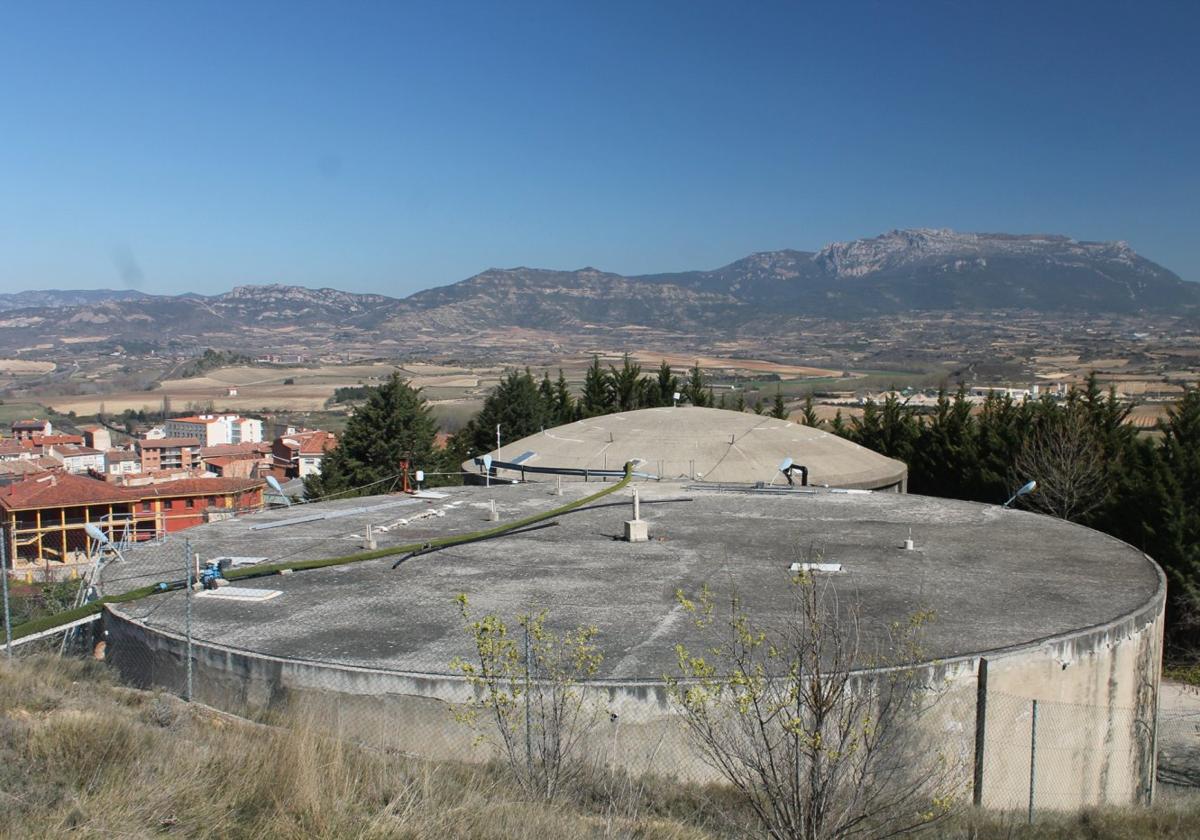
<point x="995" y="578"/>
<point x="708" y="444"/>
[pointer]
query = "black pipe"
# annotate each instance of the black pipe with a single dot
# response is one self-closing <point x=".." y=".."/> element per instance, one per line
<point x="803" y="475"/>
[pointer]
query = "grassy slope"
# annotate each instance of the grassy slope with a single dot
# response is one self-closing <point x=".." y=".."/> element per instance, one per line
<point x="85" y="757"/>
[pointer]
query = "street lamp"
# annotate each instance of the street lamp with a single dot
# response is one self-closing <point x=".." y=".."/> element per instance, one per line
<point x="1027" y="488"/>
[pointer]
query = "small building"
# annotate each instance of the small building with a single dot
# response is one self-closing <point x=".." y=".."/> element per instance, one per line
<point x="97" y="437"/>
<point x="17" y="450"/>
<point x="168" y="453"/>
<point x="76" y="458"/>
<point x="27" y="429"/>
<point x="301" y="455"/>
<point x="237" y="460"/>
<point x="119" y="462"/>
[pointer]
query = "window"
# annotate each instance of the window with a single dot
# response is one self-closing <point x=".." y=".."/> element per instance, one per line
<point x="191" y="503"/>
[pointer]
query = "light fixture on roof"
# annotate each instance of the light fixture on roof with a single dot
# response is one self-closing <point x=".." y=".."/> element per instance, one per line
<point x="278" y="488"/>
<point x="788" y="466"/>
<point x="1026" y="488"/>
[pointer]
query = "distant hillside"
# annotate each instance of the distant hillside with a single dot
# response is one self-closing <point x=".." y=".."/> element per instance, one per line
<point x="65" y="297"/>
<point x="943" y="270"/>
<point x="900" y="271"/>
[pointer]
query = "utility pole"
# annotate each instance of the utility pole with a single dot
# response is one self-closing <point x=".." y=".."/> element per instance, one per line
<point x="4" y="583"/>
<point x="187" y="564"/>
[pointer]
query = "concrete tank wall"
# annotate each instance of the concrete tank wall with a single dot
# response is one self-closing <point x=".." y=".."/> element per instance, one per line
<point x="1097" y="691"/>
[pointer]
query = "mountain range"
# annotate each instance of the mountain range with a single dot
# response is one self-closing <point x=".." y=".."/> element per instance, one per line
<point x="900" y="271"/>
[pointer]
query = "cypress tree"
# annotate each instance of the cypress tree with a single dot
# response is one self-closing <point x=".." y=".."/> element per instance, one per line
<point x="779" y="408"/>
<point x="597" y="396"/>
<point x="668" y="384"/>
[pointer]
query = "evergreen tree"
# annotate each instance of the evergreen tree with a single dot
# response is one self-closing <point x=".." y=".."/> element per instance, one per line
<point x="739" y="402"/>
<point x="809" y="412"/>
<point x="721" y="404"/>
<point x="1174" y="518"/>
<point x="759" y="408"/>
<point x="597" y="396"/>
<point x="694" y="389"/>
<point x="393" y="423"/>
<point x="625" y="385"/>
<point x="668" y="384"/>
<point x="945" y="456"/>
<point x="563" y="403"/>
<point x="779" y="408"/>
<point x="516" y="405"/>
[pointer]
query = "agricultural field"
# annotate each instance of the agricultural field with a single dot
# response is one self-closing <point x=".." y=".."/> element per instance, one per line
<point x="253" y="388"/>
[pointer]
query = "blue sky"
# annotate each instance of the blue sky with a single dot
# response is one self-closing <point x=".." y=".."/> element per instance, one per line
<point x="390" y="147"/>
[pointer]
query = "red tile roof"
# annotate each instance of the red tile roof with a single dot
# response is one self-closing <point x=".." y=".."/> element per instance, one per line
<point x="27" y="466"/>
<point x="61" y="491"/>
<point x="55" y="440"/>
<point x="29" y="424"/>
<point x="66" y="490"/>
<point x="245" y="450"/>
<point x="198" y="487"/>
<point x="317" y="443"/>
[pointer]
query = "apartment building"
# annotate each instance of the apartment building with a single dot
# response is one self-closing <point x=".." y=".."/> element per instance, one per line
<point x="216" y="429"/>
<point x="169" y="453"/>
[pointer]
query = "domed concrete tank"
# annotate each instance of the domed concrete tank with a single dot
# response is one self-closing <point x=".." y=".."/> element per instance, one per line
<point x="702" y="444"/>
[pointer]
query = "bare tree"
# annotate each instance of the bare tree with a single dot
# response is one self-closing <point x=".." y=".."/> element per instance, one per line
<point x="1067" y="462"/>
<point x="528" y="702"/>
<point x="817" y="749"/>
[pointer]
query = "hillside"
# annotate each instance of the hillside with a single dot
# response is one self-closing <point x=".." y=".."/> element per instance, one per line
<point x="901" y="271"/>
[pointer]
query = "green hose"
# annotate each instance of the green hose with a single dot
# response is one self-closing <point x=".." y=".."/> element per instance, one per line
<point x="51" y="621"/>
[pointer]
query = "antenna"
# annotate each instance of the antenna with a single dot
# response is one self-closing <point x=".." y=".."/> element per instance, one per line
<point x="487" y="469"/>
<point x="96" y="534"/>
<point x="785" y="467"/>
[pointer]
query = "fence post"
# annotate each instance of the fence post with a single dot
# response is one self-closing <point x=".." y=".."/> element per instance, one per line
<point x="528" y="711"/>
<point x="187" y="562"/>
<point x="1032" y="758"/>
<point x="4" y="583"/>
<point x="980" y="728"/>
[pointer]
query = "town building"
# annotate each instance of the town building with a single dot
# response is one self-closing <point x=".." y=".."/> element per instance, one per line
<point x="28" y="429"/>
<point x="17" y="450"/>
<point x="168" y="453"/>
<point x="43" y="518"/>
<point x="301" y="454"/>
<point x="76" y="458"/>
<point x="216" y="429"/>
<point x="237" y="460"/>
<point x="97" y="437"/>
<point x="118" y="462"/>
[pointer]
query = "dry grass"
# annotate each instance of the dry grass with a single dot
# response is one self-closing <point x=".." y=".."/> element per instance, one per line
<point x="81" y="756"/>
